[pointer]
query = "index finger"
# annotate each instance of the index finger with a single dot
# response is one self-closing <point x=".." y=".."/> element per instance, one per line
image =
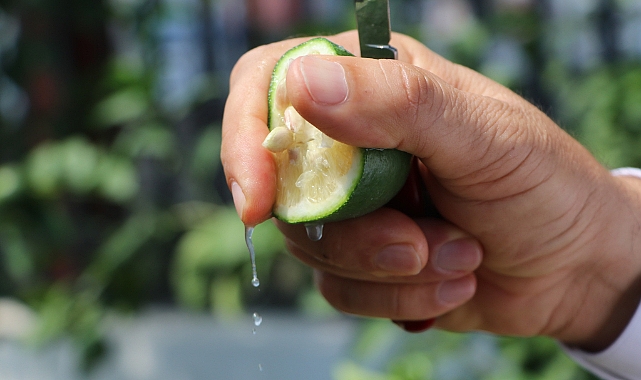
<point x="249" y="168"/>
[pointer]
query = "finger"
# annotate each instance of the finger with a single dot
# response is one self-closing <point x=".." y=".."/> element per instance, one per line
<point x="429" y="274"/>
<point x="389" y="104"/>
<point x="395" y="301"/>
<point x="249" y="168"/>
<point x="382" y="243"/>
<point x="452" y="251"/>
<point x="386" y="245"/>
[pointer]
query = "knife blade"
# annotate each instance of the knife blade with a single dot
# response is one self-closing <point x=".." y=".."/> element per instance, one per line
<point x="374" y="29"/>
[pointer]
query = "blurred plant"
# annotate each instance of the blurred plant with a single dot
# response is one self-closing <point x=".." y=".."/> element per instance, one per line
<point x="101" y="188"/>
<point x="602" y="108"/>
<point x="211" y="258"/>
<point x="111" y="190"/>
<point x="384" y="352"/>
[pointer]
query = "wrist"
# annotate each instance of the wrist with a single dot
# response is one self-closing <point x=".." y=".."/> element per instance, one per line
<point x="610" y="280"/>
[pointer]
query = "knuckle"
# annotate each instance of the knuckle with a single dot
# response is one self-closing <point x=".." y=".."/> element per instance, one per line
<point x="240" y="64"/>
<point x="257" y="60"/>
<point x="397" y="306"/>
<point x="420" y="102"/>
<point x="410" y="90"/>
<point x="417" y="92"/>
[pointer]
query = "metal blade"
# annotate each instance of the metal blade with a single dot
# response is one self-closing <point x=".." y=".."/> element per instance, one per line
<point x="374" y="30"/>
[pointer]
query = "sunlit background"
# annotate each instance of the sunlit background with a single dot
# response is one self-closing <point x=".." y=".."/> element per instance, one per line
<point x="121" y="256"/>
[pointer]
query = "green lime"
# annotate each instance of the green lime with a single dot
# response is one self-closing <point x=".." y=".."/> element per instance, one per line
<point x="320" y="179"/>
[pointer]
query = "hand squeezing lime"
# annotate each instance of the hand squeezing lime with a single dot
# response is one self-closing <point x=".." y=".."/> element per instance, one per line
<point x="320" y="179"/>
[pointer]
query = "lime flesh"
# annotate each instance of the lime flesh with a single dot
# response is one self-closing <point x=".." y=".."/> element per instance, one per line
<point x="320" y="179"/>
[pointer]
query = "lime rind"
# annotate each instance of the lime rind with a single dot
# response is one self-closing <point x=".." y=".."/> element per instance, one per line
<point x="315" y="46"/>
<point x="308" y="210"/>
<point x="371" y="188"/>
<point x="384" y="174"/>
<point x="374" y="176"/>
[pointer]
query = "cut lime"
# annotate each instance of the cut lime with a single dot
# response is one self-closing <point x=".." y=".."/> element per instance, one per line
<point x="320" y="179"/>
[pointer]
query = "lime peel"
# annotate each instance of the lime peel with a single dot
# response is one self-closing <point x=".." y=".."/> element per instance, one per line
<point x="320" y="179"/>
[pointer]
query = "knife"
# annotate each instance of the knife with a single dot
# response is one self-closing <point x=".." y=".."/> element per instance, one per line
<point x="374" y="35"/>
<point x="374" y="29"/>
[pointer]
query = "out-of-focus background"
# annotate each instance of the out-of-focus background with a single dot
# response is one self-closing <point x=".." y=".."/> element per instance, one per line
<point x="121" y="256"/>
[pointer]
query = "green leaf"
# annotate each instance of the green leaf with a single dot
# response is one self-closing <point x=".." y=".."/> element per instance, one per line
<point x="206" y="156"/>
<point x="79" y="163"/>
<point x="44" y="169"/>
<point x="118" y="179"/>
<point x="226" y="296"/>
<point x="16" y="254"/>
<point x="149" y="140"/>
<point x="122" y="107"/>
<point x="10" y="182"/>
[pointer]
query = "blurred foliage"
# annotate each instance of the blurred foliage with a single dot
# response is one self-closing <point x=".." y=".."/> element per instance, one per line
<point x="385" y="352"/>
<point x="603" y="109"/>
<point x="112" y="196"/>
<point x="211" y="258"/>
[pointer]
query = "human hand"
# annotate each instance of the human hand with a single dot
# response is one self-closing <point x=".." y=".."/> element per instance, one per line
<point x="559" y="233"/>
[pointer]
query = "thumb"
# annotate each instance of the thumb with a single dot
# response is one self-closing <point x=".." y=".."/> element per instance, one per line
<point x="390" y="104"/>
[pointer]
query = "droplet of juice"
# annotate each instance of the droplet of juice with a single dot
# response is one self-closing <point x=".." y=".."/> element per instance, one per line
<point x="314" y="231"/>
<point x="249" y="231"/>
<point x="257" y="319"/>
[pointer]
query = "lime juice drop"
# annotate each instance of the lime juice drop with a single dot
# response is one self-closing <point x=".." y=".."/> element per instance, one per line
<point x="249" y="231"/>
<point x="257" y="319"/>
<point x="314" y="231"/>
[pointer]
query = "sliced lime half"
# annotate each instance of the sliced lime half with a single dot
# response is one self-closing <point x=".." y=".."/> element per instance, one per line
<point x="320" y="179"/>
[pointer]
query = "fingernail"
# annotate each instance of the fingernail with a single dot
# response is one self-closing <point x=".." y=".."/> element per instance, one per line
<point x="398" y="259"/>
<point x="455" y="291"/>
<point x="239" y="198"/>
<point x="416" y="326"/>
<point x="458" y="255"/>
<point x="325" y="80"/>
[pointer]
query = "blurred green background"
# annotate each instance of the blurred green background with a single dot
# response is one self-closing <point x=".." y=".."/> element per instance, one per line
<point x="112" y="197"/>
